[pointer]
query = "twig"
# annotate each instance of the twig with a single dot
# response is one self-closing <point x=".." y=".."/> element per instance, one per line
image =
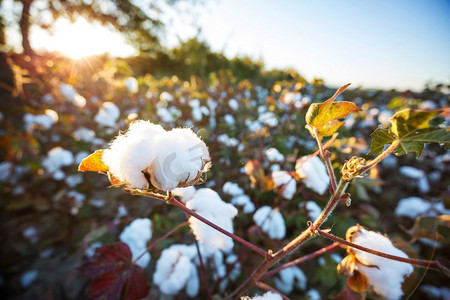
<point x="202" y="266"/>
<point x="169" y="233"/>
<point x="271" y="289"/>
<point x="255" y="248"/>
<point x="325" y="155"/>
<point x="302" y="259"/>
<point x="424" y="263"/>
<point x="380" y="157"/>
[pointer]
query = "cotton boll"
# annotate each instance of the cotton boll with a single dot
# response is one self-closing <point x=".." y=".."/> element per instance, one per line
<point x="185" y="194"/>
<point x="6" y="168"/>
<point x="243" y="200"/>
<point x="28" y="278"/>
<point x="173" y="271"/>
<point x="289" y="277"/>
<point x="417" y="174"/>
<point x="233" y="104"/>
<point x="273" y="155"/>
<point x="193" y="283"/>
<point x="289" y="189"/>
<point x="80" y="156"/>
<point x="71" y="95"/>
<point x="136" y="235"/>
<point x="232" y="188"/>
<point x="268" y="118"/>
<point x="314" y="173"/>
<point x="270" y="221"/>
<point x="107" y="115"/>
<point x="74" y="180"/>
<point x="227" y="141"/>
<point x="131" y="84"/>
<point x="208" y="204"/>
<point x="313" y="294"/>
<point x="266" y="296"/>
<point x="412" y="207"/>
<point x="165" y="96"/>
<point x="387" y="279"/>
<point x="56" y="159"/>
<point x="280" y="177"/>
<point x="313" y="209"/>
<point x="229" y="119"/>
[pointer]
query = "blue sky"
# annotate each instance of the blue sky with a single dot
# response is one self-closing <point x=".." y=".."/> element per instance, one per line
<point x="388" y="44"/>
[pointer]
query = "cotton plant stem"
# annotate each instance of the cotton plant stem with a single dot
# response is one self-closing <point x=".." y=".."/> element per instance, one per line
<point x="325" y="155"/>
<point x="302" y="259"/>
<point x="424" y="263"/>
<point x="271" y="289"/>
<point x="165" y="236"/>
<point x="202" y="266"/>
<point x="294" y="244"/>
<point x="181" y="206"/>
<point x="380" y="157"/>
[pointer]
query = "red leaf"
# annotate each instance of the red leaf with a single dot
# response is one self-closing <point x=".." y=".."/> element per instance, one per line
<point x="114" y="276"/>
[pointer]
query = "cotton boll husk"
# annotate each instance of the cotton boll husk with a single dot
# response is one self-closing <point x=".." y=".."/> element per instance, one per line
<point x="173" y="270"/>
<point x="387" y="279"/>
<point x="315" y="173"/>
<point x="208" y="204"/>
<point x="270" y="221"/>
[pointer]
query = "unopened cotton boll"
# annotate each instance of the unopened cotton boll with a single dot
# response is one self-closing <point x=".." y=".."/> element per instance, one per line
<point x="314" y="173"/>
<point x="170" y="159"/>
<point x="208" y="204"/>
<point x="270" y="221"/>
<point x="388" y="275"/>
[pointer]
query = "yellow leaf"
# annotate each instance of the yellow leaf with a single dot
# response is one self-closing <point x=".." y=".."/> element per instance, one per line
<point x="358" y="282"/>
<point x="93" y="163"/>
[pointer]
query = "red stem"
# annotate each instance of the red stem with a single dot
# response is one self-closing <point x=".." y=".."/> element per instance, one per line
<point x="424" y="263"/>
<point x="302" y="259"/>
<point x="271" y="289"/>
<point x="165" y="236"/>
<point x="205" y="277"/>
<point x="255" y="248"/>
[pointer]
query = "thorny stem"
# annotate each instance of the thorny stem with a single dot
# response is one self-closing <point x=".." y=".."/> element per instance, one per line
<point x="380" y="157"/>
<point x="205" y="277"/>
<point x="424" y="263"/>
<point x="165" y="236"/>
<point x="325" y="155"/>
<point x="181" y="206"/>
<point x="294" y="244"/>
<point x="271" y="289"/>
<point x="302" y="259"/>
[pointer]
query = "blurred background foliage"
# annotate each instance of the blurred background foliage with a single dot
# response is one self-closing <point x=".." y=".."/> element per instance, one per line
<point x="48" y="224"/>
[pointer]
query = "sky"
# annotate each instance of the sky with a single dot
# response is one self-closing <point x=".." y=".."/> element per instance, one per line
<point x="374" y="44"/>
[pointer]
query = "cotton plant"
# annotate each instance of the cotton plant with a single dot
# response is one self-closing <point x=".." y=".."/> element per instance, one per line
<point x="147" y="160"/>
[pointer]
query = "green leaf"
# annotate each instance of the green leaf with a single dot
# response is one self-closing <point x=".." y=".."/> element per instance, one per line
<point x="412" y="130"/>
<point x="380" y="138"/>
<point x="324" y="116"/>
<point x="407" y="121"/>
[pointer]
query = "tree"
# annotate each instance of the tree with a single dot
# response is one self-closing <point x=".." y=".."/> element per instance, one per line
<point x="140" y="23"/>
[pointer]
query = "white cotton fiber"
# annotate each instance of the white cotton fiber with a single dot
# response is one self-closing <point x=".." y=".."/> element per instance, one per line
<point x="56" y="159"/>
<point x="136" y="235"/>
<point x="274" y="155"/>
<point x="107" y="115"/>
<point x="131" y="84"/>
<point x="290" y="277"/>
<point x="387" y="279"/>
<point x="170" y="158"/>
<point x="185" y="194"/>
<point x="71" y="95"/>
<point x="209" y="205"/>
<point x="314" y="173"/>
<point x="313" y="209"/>
<point x="266" y="296"/>
<point x="270" y="221"/>
<point x="244" y="201"/>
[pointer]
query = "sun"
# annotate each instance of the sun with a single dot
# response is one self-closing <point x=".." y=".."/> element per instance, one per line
<point x="81" y="39"/>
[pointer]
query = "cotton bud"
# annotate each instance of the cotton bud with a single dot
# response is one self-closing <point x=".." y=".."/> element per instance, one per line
<point x="351" y="169"/>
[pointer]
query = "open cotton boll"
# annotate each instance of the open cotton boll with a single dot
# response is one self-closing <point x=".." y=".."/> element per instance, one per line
<point x="45" y="120"/>
<point x="266" y="296"/>
<point x="193" y="283"/>
<point x="270" y="221"/>
<point x="412" y="207"/>
<point x="56" y="159"/>
<point x="229" y="119"/>
<point x="280" y="177"/>
<point x="107" y="115"/>
<point x="387" y="278"/>
<point x="273" y="155"/>
<point x="136" y="235"/>
<point x="173" y="270"/>
<point x="71" y="95"/>
<point x="131" y="84"/>
<point x="165" y="96"/>
<point x="28" y="278"/>
<point x="289" y="189"/>
<point x="417" y="174"/>
<point x="232" y="189"/>
<point x="314" y="173"/>
<point x="233" y="104"/>
<point x="244" y="201"/>
<point x="209" y="205"/>
<point x="289" y="184"/>
<point x="185" y="194"/>
<point x="268" y="118"/>
<point x="313" y="209"/>
<point x="288" y="278"/>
